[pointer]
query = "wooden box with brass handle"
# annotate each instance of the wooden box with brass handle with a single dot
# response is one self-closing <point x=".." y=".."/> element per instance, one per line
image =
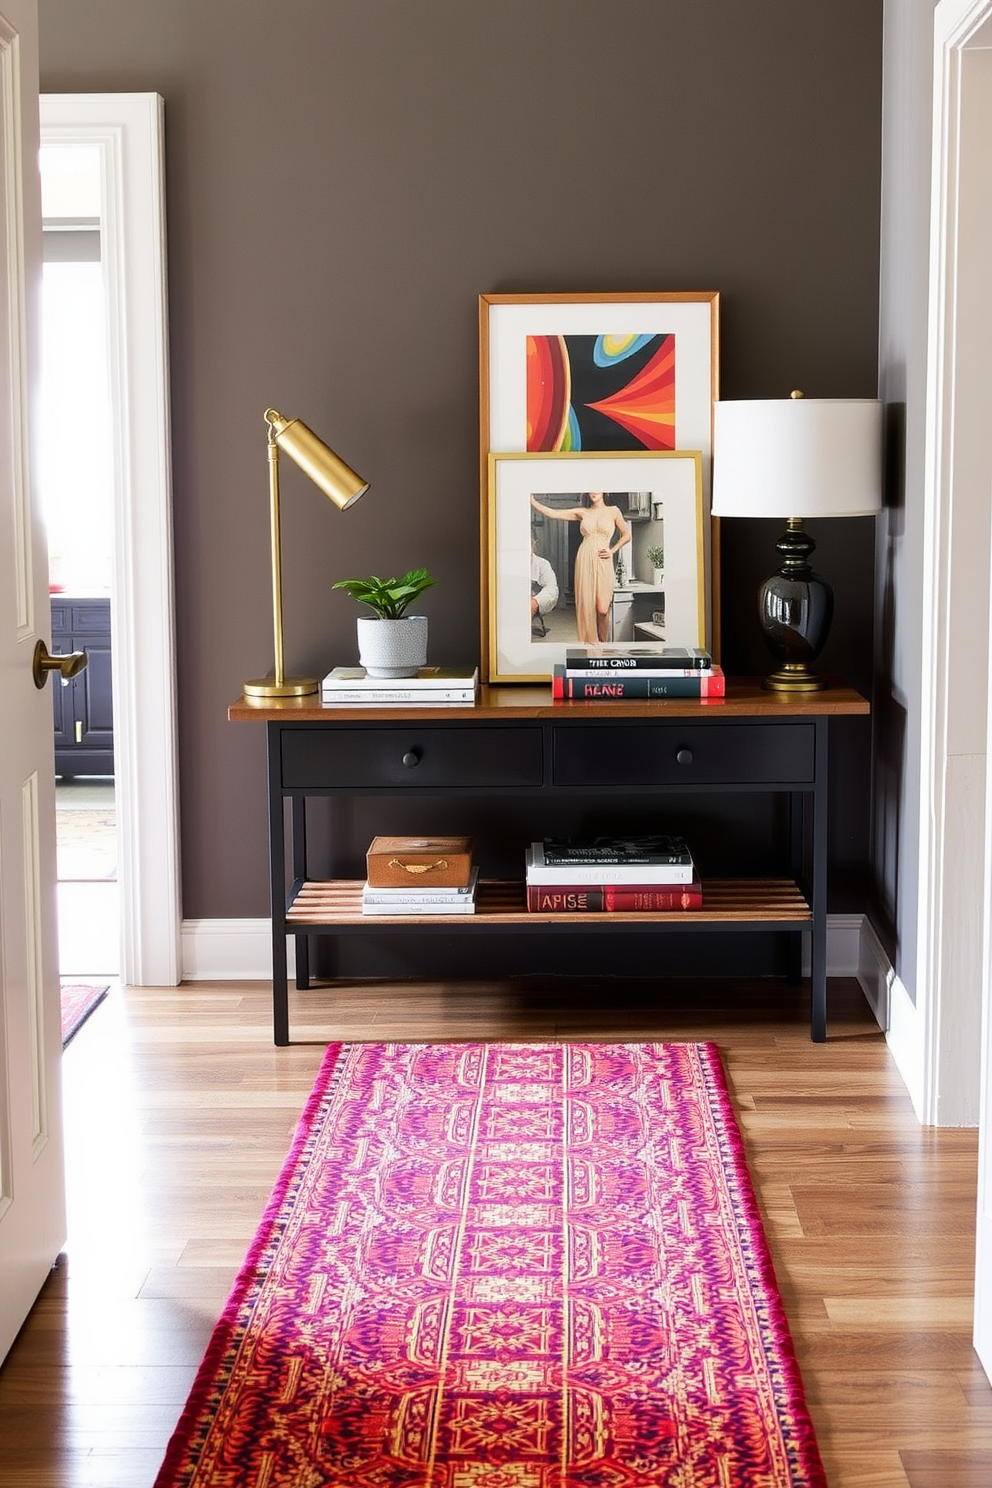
<point x="419" y="862"/>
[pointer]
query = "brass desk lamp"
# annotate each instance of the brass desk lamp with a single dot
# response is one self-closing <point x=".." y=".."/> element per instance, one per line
<point x="342" y="486"/>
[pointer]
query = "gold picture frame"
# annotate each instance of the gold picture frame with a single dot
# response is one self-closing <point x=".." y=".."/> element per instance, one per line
<point x="615" y="510"/>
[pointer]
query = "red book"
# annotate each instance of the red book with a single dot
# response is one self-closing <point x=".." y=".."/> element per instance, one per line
<point x="608" y="686"/>
<point x="613" y="898"/>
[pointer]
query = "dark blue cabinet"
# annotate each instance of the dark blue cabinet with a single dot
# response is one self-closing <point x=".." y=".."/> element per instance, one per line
<point x="84" y="713"/>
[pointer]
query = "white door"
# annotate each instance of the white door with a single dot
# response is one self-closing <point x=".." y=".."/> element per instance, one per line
<point x="32" y="1209"/>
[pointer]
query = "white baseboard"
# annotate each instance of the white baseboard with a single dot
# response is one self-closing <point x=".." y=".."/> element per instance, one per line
<point x="229" y="951"/>
<point x="241" y="950"/>
<point x="895" y="1012"/>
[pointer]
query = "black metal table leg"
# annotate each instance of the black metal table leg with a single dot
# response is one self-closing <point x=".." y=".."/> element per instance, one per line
<point x="302" y="942"/>
<point x="277" y="892"/>
<point x="818" y="892"/>
<point x="797" y="817"/>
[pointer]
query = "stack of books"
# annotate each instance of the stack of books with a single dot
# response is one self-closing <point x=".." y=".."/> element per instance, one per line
<point x="431" y="685"/>
<point x="420" y="876"/>
<point x="611" y="672"/>
<point x="611" y="875"/>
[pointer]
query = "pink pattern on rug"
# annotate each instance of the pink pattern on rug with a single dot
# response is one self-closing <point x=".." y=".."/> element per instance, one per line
<point x="78" y="999"/>
<point x="505" y="1266"/>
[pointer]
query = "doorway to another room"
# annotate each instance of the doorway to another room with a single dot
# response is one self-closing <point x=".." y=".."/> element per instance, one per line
<point x="75" y="478"/>
<point x="88" y="898"/>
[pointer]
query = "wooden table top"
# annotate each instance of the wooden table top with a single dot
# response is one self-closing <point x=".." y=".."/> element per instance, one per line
<point x="745" y="698"/>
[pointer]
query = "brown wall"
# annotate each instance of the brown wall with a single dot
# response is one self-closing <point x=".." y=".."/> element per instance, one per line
<point x="344" y="178"/>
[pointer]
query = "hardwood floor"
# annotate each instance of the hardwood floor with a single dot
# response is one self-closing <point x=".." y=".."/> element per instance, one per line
<point x="179" y="1112"/>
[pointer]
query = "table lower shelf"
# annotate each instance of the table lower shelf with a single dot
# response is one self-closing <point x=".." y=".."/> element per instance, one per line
<point x="758" y="903"/>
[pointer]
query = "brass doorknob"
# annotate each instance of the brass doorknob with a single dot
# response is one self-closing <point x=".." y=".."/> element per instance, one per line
<point x="67" y="666"/>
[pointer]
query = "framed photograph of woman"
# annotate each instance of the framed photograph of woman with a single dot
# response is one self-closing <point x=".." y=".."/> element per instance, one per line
<point x="596" y="373"/>
<point x="588" y="550"/>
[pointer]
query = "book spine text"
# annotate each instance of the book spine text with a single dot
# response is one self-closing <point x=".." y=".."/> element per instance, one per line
<point x="611" y="898"/>
<point x="607" y="688"/>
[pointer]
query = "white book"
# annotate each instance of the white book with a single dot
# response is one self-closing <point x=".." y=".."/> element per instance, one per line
<point x="409" y="898"/>
<point x="538" y="872"/>
<point x="398" y="696"/>
<point x="464" y="906"/>
<point x="354" y="679"/>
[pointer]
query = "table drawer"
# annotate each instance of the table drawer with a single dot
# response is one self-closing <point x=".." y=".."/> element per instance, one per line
<point x="411" y="757"/>
<point x="673" y="754"/>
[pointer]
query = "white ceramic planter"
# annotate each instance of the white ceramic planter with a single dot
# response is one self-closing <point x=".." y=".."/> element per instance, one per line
<point x="393" y="648"/>
<point x="659" y="578"/>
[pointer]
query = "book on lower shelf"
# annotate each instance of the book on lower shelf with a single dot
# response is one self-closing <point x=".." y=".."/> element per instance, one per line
<point x="431" y="684"/>
<point x="430" y="901"/>
<point x="612" y="898"/>
<point x="635" y="847"/>
<point x="636" y="871"/>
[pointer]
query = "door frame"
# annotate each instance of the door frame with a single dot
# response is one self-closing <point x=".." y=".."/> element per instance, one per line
<point x="953" y="953"/>
<point x="956" y="766"/>
<point x="128" y="129"/>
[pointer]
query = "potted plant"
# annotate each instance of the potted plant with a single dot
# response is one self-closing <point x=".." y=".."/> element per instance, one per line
<point x="656" y="558"/>
<point x="392" y="643"/>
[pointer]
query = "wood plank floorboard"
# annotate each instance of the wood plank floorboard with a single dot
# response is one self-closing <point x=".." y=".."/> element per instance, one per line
<point x="179" y="1112"/>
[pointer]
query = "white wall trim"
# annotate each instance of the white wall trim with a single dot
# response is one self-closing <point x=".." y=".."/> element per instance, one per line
<point x="894" y="1012"/>
<point x="128" y="130"/>
<point x="956" y="579"/>
<point x="229" y="951"/>
<point x="241" y="950"/>
<point x="958" y="417"/>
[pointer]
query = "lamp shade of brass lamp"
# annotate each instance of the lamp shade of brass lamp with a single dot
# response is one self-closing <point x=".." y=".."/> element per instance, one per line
<point x="796" y="458"/>
<point x="342" y="486"/>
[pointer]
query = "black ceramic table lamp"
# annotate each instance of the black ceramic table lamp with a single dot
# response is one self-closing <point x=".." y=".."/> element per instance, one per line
<point x="796" y="458"/>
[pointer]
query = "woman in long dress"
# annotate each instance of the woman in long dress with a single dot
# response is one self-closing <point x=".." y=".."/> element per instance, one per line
<point x="599" y="524"/>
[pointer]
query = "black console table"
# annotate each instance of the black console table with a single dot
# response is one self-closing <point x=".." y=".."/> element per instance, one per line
<point x="515" y="741"/>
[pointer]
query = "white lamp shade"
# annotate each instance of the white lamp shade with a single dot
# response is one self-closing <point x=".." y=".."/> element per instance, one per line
<point x="797" y="457"/>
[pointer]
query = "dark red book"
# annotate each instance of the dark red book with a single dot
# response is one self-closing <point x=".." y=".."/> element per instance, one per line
<point x="613" y="898"/>
<point x="610" y="685"/>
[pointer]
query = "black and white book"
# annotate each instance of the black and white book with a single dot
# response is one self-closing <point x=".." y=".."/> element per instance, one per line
<point x="613" y="871"/>
<point x="640" y="847"/>
<point x="620" y="659"/>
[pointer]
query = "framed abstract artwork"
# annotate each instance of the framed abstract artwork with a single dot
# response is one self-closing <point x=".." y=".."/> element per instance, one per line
<point x="586" y="549"/>
<point x="599" y="373"/>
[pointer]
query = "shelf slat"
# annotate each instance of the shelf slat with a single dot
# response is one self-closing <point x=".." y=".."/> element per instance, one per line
<point x="758" y="901"/>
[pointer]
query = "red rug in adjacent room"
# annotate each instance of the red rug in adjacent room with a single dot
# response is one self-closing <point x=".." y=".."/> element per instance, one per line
<point x="78" y="1001"/>
<point x="505" y="1266"/>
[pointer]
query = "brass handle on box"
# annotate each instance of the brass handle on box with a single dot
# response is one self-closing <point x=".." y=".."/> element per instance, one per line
<point x="419" y="867"/>
<point x="67" y="666"/>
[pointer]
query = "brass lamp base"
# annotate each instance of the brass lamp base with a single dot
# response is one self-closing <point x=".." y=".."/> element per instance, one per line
<point x="263" y="689"/>
<point x="794" y="677"/>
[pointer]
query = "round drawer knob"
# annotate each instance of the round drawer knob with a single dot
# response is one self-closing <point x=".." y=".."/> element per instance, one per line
<point x="412" y="758"/>
<point x="684" y="757"/>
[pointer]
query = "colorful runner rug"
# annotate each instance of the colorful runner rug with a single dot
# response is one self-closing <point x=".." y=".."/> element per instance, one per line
<point x="505" y="1266"/>
<point x="78" y="1001"/>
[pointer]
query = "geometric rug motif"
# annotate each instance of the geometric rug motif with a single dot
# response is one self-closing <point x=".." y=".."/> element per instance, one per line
<point x="78" y="999"/>
<point x="505" y="1266"/>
